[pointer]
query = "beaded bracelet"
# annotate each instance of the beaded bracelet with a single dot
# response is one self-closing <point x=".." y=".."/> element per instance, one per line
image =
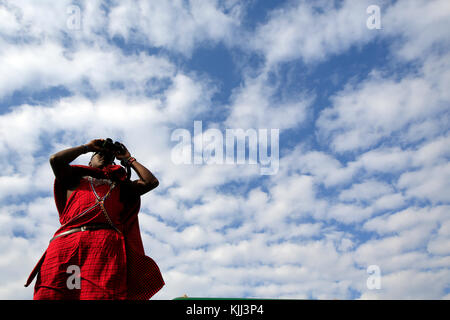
<point x="128" y="162"/>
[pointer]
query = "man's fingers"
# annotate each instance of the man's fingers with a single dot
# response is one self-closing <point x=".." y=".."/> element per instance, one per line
<point x="125" y="150"/>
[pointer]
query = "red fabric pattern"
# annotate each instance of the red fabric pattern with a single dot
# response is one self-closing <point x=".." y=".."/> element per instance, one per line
<point x="112" y="264"/>
<point x="101" y="261"/>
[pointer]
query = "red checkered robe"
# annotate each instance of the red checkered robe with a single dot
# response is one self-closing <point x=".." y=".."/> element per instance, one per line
<point x="112" y="262"/>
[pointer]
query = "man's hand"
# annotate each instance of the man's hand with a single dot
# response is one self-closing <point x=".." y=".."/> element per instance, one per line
<point x="96" y="145"/>
<point x="124" y="155"/>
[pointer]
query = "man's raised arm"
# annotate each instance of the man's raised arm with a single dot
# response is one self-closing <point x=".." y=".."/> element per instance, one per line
<point x="60" y="161"/>
<point x="147" y="181"/>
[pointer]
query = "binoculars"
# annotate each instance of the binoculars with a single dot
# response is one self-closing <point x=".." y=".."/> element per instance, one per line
<point x="112" y="147"/>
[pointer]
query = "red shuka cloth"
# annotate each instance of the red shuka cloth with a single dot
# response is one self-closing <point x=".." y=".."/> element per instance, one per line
<point x="112" y="265"/>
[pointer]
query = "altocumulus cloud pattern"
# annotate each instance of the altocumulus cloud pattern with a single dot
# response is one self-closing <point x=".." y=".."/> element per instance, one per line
<point x="358" y="91"/>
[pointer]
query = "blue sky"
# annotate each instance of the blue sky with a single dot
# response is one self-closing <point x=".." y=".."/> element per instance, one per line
<point x="363" y="120"/>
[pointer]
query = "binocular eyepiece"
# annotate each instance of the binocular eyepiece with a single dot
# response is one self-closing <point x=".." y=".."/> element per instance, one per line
<point x="112" y="147"/>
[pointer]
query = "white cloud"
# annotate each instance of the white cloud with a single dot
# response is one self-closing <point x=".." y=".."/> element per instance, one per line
<point x="367" y="190"/>
<point x="390" y="202"/>
<point x="371" y="194"/>
<point x="324" y="167"/>
<point x="349" y="213"/>
<point x="24" y="19"/>
<point x="186" y="99"/>
<point x="417" y="26"/>
<point x="9" y="24"/>
<point x="407" y="219"/>
<point x="433" y="153"/>
<point x="420" y="24"/>
<point x="385" y="160"/>
<point x="99" y="67"/>
<point x="287" y="34"/>
<point x="255" y="105"/>
<point x="383" y="252"/>
<point x="175" y="25"/>
<point x="291" y="197"/>
<point x="411" y="284"/>
<point x="429" y="183"/>
<point x="376" y="109"/>
<point x="382" y="106"/>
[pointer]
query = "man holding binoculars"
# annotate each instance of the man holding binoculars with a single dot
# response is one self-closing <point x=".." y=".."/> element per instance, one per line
<point x="99" y="237"/>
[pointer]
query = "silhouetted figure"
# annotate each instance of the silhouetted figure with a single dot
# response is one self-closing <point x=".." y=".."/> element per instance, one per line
<point x="97" y="253"/>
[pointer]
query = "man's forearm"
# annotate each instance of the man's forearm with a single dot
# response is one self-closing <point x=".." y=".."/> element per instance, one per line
<point x="144" y="174"/>
<point x="68" y="155"/>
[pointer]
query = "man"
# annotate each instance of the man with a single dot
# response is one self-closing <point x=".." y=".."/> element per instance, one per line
<point x="97" y="253"/>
